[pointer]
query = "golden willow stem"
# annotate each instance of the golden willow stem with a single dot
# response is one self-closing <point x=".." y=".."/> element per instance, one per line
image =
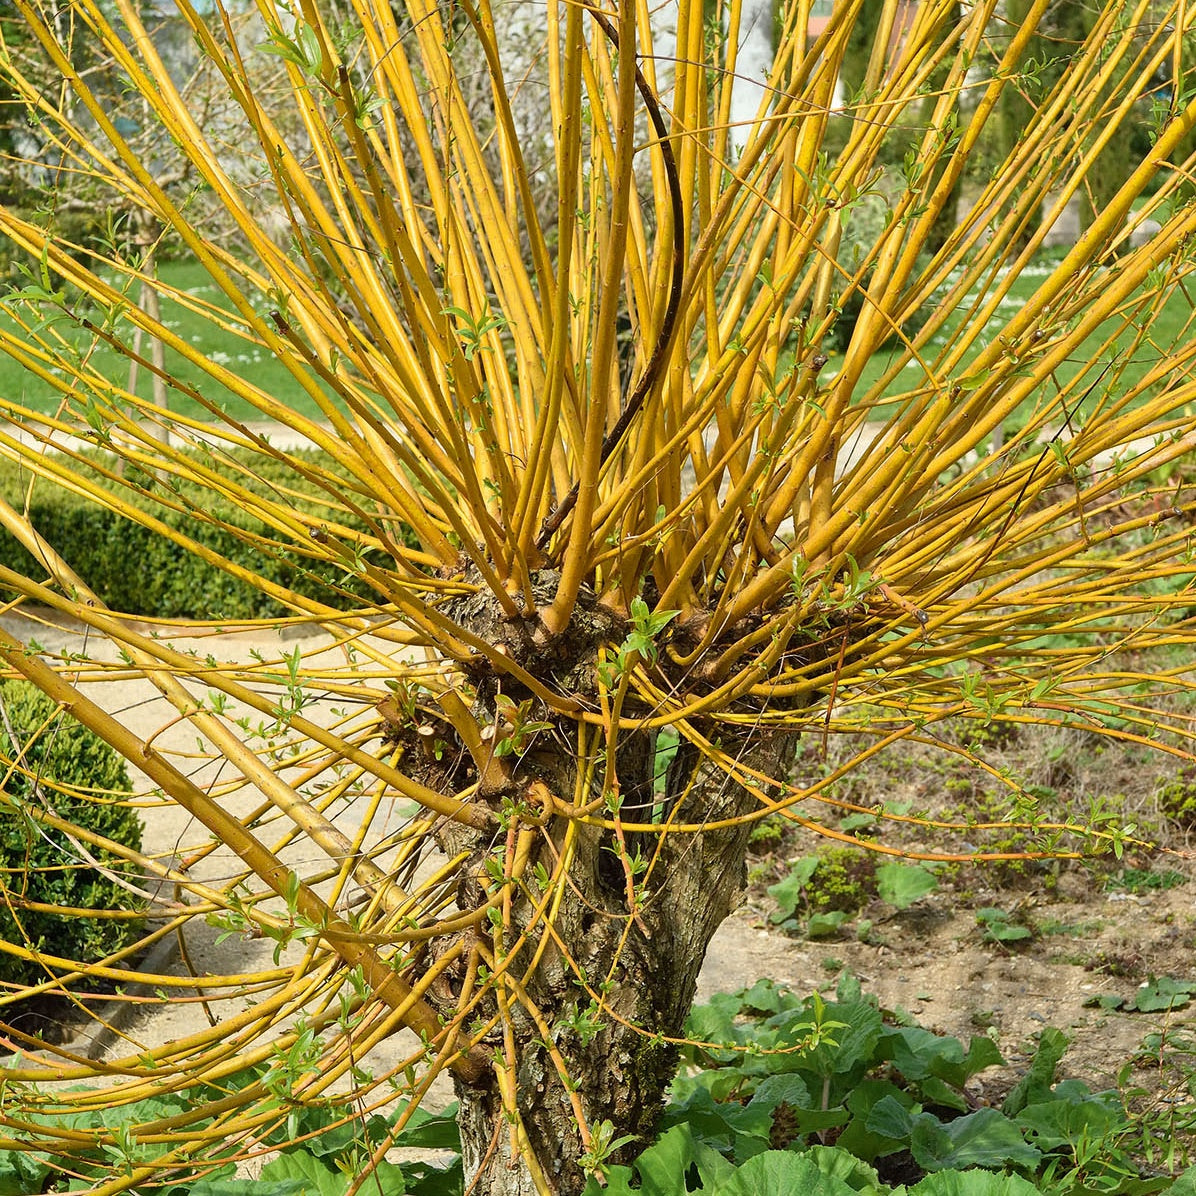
<point x="333" y="930"/>
<point x="567" y="97"/>
<point x="602" y="373"/>
<point x="166" y="657"/>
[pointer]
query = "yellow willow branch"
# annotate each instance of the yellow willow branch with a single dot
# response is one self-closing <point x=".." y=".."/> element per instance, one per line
<point x="333" y="930"/>
<point x="602" y="363"/>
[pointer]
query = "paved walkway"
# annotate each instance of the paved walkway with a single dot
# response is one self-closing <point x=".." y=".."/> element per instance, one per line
<point x="851" y="452"/>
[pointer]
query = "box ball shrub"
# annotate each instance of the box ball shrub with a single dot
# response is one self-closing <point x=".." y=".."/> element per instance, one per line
<point x="139" y="571"/>
<point x="51" y="762"/>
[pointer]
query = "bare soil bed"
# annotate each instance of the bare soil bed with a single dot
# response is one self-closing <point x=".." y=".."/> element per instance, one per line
<point x="1096" y="947"/>
<point x="932" y="963"/>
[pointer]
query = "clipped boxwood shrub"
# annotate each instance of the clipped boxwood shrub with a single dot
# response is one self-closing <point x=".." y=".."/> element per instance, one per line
<point x="139" y="572"/>
<point x="88" y="230"/>
<point x="39" y="865"/>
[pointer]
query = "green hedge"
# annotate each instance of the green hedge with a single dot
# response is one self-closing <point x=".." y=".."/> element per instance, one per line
<point x="39" y="864"/>
<point x="137" y="571"/>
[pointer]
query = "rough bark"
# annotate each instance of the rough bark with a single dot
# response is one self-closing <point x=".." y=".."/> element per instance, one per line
<point x="609" y="983"/>
<point x="648" y="970"/>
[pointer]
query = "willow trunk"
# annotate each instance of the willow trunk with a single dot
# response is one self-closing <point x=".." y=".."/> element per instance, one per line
<point x="642" y="967"/>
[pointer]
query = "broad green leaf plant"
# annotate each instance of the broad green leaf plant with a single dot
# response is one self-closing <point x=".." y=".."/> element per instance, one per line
<point x="647" y="448"/>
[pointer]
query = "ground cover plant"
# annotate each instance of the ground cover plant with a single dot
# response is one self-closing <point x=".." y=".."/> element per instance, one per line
<point x="215" y="340"/>
<point x="624" y="542"/>
<point x="777" y="1092"/>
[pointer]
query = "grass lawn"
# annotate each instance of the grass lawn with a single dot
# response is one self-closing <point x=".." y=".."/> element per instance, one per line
<point x="1171" y="326"/>
<point x="226" y="348"/>
<point x="1097" y="382"/>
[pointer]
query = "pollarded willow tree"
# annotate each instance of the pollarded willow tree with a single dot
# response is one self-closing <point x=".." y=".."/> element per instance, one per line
<point x="608" y="526"/>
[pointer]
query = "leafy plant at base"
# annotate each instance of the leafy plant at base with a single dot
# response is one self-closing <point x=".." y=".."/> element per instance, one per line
<point x="315" y="1149"/>
<point x="64" y="897"/>
<point x="606" y="500"/>
<point x="892" y="1099"/>
<point x="752" y="1121"/>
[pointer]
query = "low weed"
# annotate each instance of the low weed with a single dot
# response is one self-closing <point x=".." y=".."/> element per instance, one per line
<point x="1145" y="880"/>
<point x="1002" y="927"/>
<point x="830" y="1098"/>
<point x="823" y="893"/>
<point x="777" y="1093"/>
<point x="1177" y="799"/>
<point x="1156" y="994"/>
<point x="321" y="1149"/>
